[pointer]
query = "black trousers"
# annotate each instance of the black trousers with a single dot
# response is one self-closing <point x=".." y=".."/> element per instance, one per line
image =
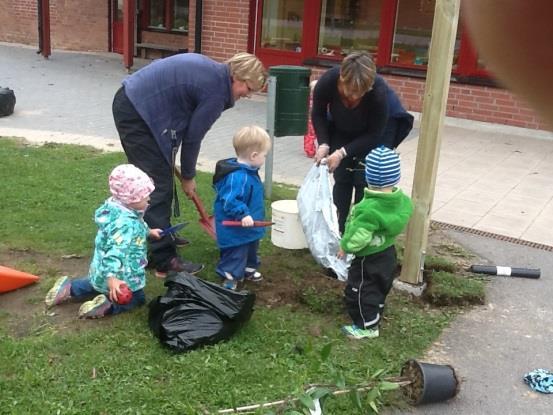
<point x="370" y="279"/>
<point x="142" y="150"/>
<point x="350" y="175"/>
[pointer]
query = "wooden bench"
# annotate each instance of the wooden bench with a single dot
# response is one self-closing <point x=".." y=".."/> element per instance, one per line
<point x="165" y="50"/>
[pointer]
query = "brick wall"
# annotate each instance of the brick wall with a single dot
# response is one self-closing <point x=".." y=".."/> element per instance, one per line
<point x="225" y="28"/>
<point x="79" y="25"/>
<point x="18" y="22"/>
<point x="479" y="103"/>
<point x="75" y="24"/>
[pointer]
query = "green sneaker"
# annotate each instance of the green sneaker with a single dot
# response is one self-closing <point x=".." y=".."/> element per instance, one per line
<point x="354" y="332"/>
<point x="59" y="293"/>
<point x="96" y="308"/>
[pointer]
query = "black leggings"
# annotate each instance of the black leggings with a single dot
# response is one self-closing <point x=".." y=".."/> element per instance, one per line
<point x="370" y="279"/>
<point x="349" y="175"/>
<point x="142" y="150"/>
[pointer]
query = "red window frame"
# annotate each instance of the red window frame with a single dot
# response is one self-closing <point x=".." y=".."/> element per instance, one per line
<point x="467" y="64"/>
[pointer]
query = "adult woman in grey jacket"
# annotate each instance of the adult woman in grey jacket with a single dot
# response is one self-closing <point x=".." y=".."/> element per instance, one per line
<point x="172" y="103"/>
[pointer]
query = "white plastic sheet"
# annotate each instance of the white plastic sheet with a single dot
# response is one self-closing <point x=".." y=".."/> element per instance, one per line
<point x="320" y="222"/>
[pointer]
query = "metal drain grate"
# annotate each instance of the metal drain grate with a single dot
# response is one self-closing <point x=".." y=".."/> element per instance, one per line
<point x="443" y="225"/>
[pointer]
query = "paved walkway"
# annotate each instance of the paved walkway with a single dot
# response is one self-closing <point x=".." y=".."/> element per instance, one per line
<point x="491" y="177"/>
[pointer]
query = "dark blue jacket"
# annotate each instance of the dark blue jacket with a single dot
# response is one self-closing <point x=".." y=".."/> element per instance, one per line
<point x="239" y="194"/>
<point x="185" y="93"/>
<point x="379" y="118"/>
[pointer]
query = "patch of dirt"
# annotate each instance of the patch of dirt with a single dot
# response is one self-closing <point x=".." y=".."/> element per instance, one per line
<point x="24" y="312"/>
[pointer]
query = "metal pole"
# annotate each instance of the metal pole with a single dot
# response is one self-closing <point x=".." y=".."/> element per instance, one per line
<point x="271" y="106"/>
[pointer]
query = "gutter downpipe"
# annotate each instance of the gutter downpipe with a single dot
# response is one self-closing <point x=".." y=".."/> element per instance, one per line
<point x="198" y="27"/>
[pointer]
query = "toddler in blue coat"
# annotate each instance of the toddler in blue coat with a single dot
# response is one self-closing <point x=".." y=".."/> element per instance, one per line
<point x="240" y="198"/>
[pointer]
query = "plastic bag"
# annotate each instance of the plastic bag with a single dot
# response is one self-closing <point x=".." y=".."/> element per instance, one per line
<point x="195" y="313"/>
<point x="320" y="222"/>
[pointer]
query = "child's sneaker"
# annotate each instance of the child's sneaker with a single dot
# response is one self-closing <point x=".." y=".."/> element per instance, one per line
<point x="230" y="285"/>
<point x="96" y="308"/>
<point x="252" y="275"/>
<point x="354" y="332"/>
<point x="229" y="282"/>
<point x="60" y="292"/>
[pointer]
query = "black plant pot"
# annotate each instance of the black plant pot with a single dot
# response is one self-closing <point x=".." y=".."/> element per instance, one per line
<point x="429" y="382"/>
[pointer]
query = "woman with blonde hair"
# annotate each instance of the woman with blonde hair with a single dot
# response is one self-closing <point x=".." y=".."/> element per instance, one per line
<point x="354" y="111"/>
<point x="172" y="103"/>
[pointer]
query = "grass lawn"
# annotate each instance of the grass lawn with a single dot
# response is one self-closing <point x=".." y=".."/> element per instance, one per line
<point x="52" y="363"/>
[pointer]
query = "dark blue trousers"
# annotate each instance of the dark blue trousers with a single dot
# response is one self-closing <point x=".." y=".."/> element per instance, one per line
<point x="236" y="259"/>
<point x="81" y="288"/>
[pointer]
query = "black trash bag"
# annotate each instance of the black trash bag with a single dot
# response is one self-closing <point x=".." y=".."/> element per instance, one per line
<point x="195" y="313"/>
<point x="7" y="101"/>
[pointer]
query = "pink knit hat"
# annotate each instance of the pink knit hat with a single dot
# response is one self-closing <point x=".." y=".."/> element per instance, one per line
<point x="129" y="184"/>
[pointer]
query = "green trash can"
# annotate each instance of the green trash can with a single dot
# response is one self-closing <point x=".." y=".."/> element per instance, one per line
<point x="292" y="99"/>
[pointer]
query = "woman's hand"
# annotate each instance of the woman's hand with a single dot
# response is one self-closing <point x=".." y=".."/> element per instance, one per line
<point x="114" y="285"/>
<point x="247" y="221"/>
<point x="322" y="152"/>
<point x="188" y="187"/>
<point x="155" y="233"/>
<point x="341" y="254"/>
<point x="334" y="160"/>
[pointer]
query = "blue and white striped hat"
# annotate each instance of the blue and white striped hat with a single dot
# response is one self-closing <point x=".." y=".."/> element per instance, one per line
<point x="382" y="167"/>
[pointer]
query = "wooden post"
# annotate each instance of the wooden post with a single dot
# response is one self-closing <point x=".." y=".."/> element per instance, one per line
<point x="129" y="14"/>
<point x="444" y="29"/>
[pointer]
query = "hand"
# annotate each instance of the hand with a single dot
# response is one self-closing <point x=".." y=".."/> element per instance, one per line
<point x="334" y="160"/>
<point x="155" y="233"/>
<point x="189" y="187"/>
<point x="247" y="221"/>
<point x="322" y="152"/>
<point x="341" y="254"/>
<point x="114" y="290"/>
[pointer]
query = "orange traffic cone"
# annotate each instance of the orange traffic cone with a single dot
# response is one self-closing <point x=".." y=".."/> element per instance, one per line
<point x="11" y="279"/>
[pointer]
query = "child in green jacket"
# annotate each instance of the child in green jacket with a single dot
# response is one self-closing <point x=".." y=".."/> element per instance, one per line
<point x="370" y="233"/>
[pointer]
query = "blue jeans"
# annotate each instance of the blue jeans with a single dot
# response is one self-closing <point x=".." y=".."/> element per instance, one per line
<point x="236" y="259"/>
<point x="81" y="288"/>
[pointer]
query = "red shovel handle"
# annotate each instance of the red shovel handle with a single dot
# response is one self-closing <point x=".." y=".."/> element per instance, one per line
<point x="256" y="223"/>
<point x="200" y="207"/>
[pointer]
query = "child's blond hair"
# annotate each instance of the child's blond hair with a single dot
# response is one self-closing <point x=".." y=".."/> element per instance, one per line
<point x="249" y="139"/>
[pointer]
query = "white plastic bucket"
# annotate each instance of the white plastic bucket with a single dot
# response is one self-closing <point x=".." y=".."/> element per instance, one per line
<point x="287" y="231"/>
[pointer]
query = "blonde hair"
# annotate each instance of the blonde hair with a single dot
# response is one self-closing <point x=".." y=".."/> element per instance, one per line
<point x="358" y="72"/>
<point x="249" y="139"/>
<point x="246" y="67"/>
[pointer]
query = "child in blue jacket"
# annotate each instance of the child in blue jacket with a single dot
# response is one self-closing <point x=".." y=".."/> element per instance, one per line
<point x="120" y="254"/>
<point x="240" y="198"/>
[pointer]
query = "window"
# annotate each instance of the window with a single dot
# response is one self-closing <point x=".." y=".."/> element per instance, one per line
<point x="180" y="15"/>
<point x="413" y="30"/>
<point x="167" y="15"/>
<point x="396" y="32"/>
<point x="282" y="25"/>
<point x="157" y="14"/>
<point x="349" y="25"/>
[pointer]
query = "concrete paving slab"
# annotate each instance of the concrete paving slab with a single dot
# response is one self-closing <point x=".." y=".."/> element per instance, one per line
<point x="492" y="346"/>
